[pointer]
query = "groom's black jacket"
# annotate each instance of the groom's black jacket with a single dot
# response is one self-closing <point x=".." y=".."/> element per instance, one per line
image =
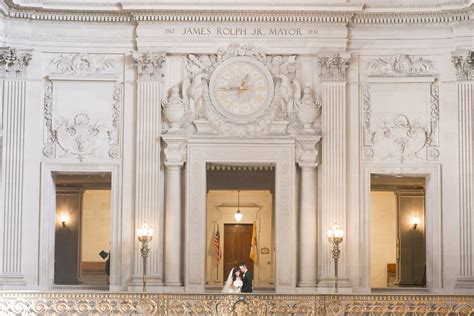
<point x="247" y="286"/>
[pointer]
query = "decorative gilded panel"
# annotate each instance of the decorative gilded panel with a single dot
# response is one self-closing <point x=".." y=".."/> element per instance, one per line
<point x="16" y="303"/>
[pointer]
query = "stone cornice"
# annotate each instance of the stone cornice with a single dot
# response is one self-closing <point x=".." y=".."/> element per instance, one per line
<point x="217" y="12"/>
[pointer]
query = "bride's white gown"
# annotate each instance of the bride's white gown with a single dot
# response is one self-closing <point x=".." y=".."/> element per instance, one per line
<point x="232" y="287"/>
<point x="235" y="288"/>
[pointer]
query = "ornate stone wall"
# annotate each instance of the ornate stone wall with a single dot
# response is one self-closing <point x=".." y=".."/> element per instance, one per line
<point x="349" y="88"/>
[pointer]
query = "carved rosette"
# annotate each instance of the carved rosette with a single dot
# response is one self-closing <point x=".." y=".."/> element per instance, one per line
<point x="463" y="63"/>
<point x="13" y="63"/>
<point x="149" y="65"/>
<point x="334" y="67"/>
<point x="400" y="66"/>
<point x="80" y="136"/>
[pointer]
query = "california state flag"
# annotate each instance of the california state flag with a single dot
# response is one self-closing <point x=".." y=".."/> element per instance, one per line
<point x="253" y="246"/>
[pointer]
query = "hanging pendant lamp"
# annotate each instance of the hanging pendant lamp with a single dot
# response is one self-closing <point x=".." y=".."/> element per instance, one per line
<point x="238" y="215"/>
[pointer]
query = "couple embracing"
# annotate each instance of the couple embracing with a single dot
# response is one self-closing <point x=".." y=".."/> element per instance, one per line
<point x="239" y="280"/>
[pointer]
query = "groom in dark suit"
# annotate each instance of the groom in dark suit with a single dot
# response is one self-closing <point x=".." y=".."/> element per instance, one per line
<point x="246" y="279"/>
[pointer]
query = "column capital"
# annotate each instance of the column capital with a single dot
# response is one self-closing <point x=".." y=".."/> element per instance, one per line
<point x="13" y="63"/>
<point x="174" y="150"/>
<point x="463" y="62"/>
<point x="149" y="65"/>
<point x="307" y="151"/>
<point x="334" y="66"/>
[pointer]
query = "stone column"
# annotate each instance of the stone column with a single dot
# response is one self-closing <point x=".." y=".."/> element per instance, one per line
<point x="333" y="162"/>
<point x="307" y="155"/>
<point x="175" y="155"/>
<point x="147" y="165"/>
<point x="464" y="64"/>
<point x="13" y="66"/>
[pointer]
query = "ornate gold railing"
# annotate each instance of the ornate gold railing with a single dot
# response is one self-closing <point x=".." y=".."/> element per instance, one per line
<point x="49" y="303"/>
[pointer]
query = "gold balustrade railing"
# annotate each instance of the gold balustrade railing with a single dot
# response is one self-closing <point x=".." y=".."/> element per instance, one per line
<point x="108" y="303"/>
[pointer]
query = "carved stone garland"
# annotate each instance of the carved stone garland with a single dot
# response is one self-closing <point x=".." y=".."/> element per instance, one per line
<point x="82" y="64"/>
<point x="80" y="136"/>
<point x="201" y="115"/>
<point x="400" y="66"/>
<point x="400" y="137"/>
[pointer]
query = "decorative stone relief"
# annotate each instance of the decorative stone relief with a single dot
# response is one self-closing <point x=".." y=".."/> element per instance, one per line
<point x="400" y="66"/>
<point x="307" y="151"/>
<point x="175" y="149"/>
<point x="288" y="105"/>
<point x="399" y="136"/>
<point x="174" y="109"/>
<point x="464" y="64"/>
<point x="13" y="63"/>
<point x="334" y="67"/>
<point x="81" y="64"/>
<point x="149" y="65"/>
<point x="80" y="136"/>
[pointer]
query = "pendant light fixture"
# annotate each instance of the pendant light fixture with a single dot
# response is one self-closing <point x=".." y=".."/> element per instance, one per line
<point x="238" y="215"/>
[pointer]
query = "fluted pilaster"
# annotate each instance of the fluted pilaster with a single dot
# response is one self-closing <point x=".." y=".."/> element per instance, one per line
<point x="147" y="163"/>
<point x="333" y="162"/>
<point x="14" y="86"/>
<point x="465" y="97"/>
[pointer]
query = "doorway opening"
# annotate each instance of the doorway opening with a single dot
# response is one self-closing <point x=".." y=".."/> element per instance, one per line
<point x="247" y="189"/>
<point x="82" y="230"/>
<point x="398" y="232"/>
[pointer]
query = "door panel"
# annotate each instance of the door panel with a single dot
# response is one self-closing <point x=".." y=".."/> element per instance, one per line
<point x="237" y="244"/>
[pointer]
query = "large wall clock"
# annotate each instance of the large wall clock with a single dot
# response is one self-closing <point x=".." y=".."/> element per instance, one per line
<point x="241" y="88"/>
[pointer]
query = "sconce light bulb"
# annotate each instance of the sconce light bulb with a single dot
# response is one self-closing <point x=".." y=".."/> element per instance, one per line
<point x="415" y="221"/>
<point x="64" y="219"/>
<point x="145" y="231"/>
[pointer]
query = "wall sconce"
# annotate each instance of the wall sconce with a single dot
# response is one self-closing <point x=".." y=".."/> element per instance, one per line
<point x="415" y="221"/>
<point x="64" y="218"/>
<point x="335" y="237"/>
<point x="145" y="235"/>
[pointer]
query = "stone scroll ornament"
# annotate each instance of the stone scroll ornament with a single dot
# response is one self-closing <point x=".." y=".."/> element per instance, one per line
<point x="81" y="136"/>
<point x="205" y="112"/>
<point x="400" y="137"/>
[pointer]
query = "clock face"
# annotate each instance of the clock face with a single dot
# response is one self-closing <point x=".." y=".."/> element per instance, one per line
<point x="241" y="88"/>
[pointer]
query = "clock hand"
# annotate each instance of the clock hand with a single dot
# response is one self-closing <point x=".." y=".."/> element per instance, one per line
<point x="242" y="83"/>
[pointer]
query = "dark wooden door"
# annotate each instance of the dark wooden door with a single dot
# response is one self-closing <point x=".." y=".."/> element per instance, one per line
<point x="237" y="243"/>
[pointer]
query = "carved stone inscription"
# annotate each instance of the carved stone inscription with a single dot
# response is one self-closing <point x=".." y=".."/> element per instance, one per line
<point x="231" y="31"/>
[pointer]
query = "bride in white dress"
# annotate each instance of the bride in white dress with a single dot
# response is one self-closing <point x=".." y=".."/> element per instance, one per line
<point x="234" y="282"/>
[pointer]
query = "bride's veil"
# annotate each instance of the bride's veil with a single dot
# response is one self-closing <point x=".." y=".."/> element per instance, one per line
<point x="228" y="283"/>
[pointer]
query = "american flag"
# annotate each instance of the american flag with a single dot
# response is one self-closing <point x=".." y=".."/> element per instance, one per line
<point x="217" y="245"/>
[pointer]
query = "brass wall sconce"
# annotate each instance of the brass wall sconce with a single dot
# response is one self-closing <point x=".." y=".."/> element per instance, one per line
<point x="335" y="237"/>
<point x="145" y="235"/>
<point x="64" y="219"/>
<point x="415" y="221"/>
